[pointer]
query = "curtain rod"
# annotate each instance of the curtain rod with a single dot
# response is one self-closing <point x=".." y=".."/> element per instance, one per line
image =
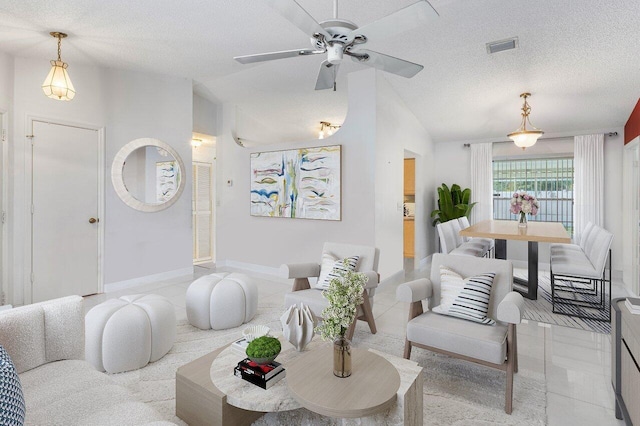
<point x="610" y="134"/>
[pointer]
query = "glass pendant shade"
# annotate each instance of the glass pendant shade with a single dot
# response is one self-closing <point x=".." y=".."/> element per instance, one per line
<point x="525" y="138"/>
<point x="58" y="85"/>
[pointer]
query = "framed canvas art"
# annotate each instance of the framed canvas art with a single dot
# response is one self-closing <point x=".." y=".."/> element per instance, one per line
<point x="300" y="183"/>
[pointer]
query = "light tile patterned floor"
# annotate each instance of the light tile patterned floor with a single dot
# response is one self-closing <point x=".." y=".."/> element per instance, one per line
<point x="576" y="363"/>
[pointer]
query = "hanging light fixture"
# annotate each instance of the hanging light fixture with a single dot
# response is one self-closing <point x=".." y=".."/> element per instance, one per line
<point x="58" y="85"/>
<point x="330" y="129"/>
<point x="524" y="137"/>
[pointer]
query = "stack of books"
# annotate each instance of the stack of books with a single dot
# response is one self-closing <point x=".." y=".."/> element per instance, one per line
<point x="633" y="304"/>
<point x="265" y="375"/>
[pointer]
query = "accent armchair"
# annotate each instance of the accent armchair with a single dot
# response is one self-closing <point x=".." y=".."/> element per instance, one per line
<point x="303" y="292"/>
<point x="489" y="345"/>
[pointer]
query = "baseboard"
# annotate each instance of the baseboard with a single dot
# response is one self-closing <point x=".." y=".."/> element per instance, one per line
<point x="134" y="282"/>
<point x="252" y="267"/>
<point x="393" y="278"/>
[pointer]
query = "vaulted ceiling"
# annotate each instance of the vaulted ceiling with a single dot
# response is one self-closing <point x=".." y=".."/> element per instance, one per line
<point x="579" y="58"/>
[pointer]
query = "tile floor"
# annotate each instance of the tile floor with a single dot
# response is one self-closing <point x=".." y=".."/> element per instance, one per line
<point x="576" y="363"/>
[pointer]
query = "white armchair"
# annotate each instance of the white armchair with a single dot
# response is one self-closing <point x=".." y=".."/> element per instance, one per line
<point x="493" y="346"/>
<point x="303" y="292"/>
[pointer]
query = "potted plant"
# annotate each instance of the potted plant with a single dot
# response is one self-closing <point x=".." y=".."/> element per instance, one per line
<point x="263" y="350"/>
<point x="345" y="294"/>
<point x="452" y="203"/>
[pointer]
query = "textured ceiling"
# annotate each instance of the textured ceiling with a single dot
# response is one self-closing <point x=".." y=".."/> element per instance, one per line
<point x="579" y="58"/>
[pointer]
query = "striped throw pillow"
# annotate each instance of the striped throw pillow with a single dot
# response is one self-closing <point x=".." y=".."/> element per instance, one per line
<point x="466" y="298"/>
<point x="331" y="268"/>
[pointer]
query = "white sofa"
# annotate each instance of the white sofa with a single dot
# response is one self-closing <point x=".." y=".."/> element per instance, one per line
<point x="46" y="343"/>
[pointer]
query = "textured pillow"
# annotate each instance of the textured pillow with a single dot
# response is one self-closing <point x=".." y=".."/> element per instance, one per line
<point x="332" y="266"/>
<point x="11" y="397"/>
<point x="466" y="298"/>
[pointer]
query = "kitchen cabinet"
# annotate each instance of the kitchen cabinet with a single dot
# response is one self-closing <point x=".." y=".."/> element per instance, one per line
<point x="409" y="237"/>
<point x="409" y="176"/>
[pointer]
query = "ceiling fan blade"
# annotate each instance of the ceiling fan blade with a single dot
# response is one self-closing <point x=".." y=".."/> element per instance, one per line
<point x="292" y="11"/>
<point x="326" y="76"/>
<point x="386" y="63"/>
<point x="261" y="57"/>
<point x="398" y="22"/>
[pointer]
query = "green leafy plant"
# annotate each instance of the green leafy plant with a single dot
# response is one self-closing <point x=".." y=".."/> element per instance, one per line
<point x="452" y="203"/>
<point x="344" y="295"/>
<point x="263" y="347"/>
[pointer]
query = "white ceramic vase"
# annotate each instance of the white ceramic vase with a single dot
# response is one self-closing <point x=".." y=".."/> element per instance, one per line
<point x="297" y="325"/>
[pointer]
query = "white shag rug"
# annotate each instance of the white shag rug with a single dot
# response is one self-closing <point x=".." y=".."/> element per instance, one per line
<point x="455" y="392"/>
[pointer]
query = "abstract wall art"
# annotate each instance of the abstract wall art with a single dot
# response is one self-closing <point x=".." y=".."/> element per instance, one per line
<point x="298" y="183"/>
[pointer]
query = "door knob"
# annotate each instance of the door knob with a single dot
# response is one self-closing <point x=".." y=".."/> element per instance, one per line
<point x="94" y="220"/>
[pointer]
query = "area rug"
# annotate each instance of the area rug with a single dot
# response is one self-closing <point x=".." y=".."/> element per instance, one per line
<point x="455" y="392"/>
<point x="541" y="310"/>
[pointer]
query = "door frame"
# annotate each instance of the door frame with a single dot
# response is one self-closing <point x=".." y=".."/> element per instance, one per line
<point x="4" y="205"/>
<point x="28" y="237"/>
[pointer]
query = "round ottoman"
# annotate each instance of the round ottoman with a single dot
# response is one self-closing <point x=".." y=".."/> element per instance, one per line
<point x="127" y="333"/>
<point x="221" y="301"/>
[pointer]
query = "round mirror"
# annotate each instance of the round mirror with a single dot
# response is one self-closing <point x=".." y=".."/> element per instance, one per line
<point x="147" y="175"/>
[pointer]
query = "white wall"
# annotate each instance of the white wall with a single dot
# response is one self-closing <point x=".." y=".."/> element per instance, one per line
<point x="205" y="116"/>
<point x="397" y="130"/>
<point x="453" y="167"/>
<point x="273" y="241"/>
<point x="376" y="131"/>
<point x="129" y="105"/>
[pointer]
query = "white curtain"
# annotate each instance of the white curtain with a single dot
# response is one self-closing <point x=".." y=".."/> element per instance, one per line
<point x="588" y="187"/>
<point x="481" y="181"/>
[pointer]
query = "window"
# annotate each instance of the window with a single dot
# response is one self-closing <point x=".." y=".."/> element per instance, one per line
<point x="550" y="180"/>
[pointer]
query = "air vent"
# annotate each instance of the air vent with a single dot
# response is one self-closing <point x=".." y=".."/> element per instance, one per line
<point x="500" y="45"/>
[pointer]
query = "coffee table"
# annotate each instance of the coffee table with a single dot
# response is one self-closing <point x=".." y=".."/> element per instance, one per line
<point x="371" y="388"/>
<point x="207" y="393"/>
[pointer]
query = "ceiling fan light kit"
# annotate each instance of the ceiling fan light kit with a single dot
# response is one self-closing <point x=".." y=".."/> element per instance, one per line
<point x="523" y="137"/>
<point x="58" y="85"/>
<point x="338" y="37"/>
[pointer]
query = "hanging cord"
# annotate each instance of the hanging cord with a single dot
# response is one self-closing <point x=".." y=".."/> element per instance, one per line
<point x="59" y="47"/>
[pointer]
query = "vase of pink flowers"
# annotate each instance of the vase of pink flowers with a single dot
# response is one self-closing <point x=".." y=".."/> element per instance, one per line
<point x="523" y="204"/>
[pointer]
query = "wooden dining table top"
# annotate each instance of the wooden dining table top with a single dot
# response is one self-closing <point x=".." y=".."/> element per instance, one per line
<point x="543" y="232"/>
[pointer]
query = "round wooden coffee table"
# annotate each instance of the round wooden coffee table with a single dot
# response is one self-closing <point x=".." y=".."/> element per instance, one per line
<point x="372" y="386"/>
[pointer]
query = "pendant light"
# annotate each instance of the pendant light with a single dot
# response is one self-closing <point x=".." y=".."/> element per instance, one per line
<point x="524" y="137"/>
<point x="58" y="85"/>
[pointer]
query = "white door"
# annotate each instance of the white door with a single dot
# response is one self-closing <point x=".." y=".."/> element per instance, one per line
<point x="202" y="213"/>
<point x="64" y="211"/>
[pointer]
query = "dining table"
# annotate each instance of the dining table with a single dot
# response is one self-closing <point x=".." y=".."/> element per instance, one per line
<point x="533" y="233"/>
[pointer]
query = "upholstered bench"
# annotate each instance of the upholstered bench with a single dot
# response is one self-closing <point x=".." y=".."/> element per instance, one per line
<point x="127" y="333"/>
<point x="221" y="301"/>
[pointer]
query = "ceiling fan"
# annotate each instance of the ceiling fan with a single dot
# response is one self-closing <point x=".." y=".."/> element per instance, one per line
<point x="338" y="37"/>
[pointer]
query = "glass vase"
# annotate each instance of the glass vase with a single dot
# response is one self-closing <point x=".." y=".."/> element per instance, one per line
<point x="522" y="223"/>
<point x="342" y="357"/>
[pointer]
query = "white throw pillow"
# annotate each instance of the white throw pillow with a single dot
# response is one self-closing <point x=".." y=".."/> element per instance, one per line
<point x="332" y="266"/>
<point x="466" y="298"/>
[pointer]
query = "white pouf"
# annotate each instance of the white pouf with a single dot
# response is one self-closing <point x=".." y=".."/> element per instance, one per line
<point x="221" y="301"/>
<point x="127" y="333"/>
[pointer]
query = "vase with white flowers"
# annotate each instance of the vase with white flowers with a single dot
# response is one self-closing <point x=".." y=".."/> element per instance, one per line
<point x="524" y="204"/>
<point x="344" y="294"/>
